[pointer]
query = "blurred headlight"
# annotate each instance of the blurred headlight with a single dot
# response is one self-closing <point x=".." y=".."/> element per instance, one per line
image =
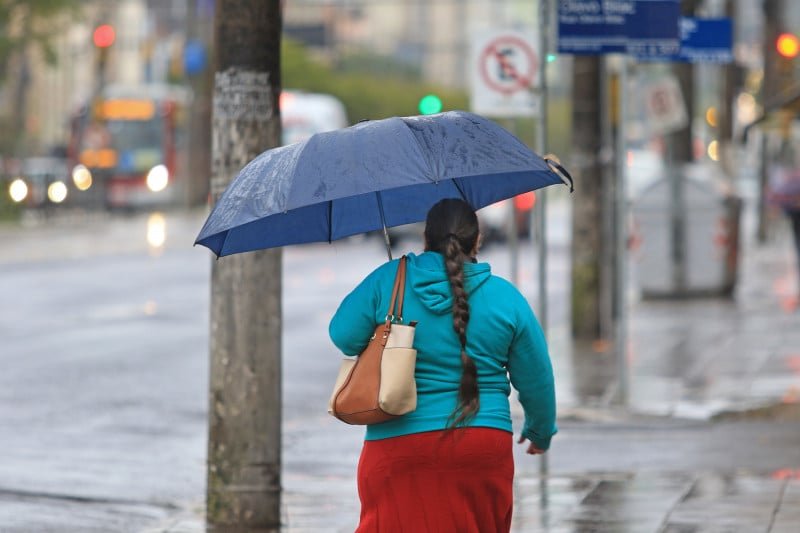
<point x="157" y="178"/>
<point x="57" y="192"/>
<point x="18" y="190"/>
<point x="713" y="150"/>
<point x="82" y="177"/>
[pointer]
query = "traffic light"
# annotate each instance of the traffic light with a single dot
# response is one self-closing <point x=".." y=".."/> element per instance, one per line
<point x="430" y="104"/>
<point x="104" y="36"/>
<point x="788" y="45"/>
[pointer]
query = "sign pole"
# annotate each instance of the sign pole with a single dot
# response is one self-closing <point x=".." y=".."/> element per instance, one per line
<point x="541" y="203"/>
<point x="513" y="227"/>
<point x="621" y="240"/>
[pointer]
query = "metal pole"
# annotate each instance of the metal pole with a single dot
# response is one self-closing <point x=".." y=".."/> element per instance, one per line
<point x="541" y="203"/>
<point x="386" y="240"/>
<point x="621" y="233"/>
<point x="513" y="230"/>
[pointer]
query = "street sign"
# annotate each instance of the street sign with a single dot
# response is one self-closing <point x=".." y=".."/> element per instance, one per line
<point x="665" y="106"/>
<point x="640" y="27"/>
<point x="706" y="40"/>
<point x="702" y="41"/>
<point x="504" y="69"/>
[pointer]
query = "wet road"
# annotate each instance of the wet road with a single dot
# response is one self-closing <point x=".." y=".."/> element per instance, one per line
<point x="103" y="398"/>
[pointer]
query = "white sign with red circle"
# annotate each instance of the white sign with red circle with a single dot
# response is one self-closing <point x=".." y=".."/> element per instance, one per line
<point x="505" y="73"/>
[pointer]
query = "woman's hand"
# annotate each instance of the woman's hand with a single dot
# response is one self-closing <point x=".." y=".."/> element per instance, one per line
<point x="532" y="449"/>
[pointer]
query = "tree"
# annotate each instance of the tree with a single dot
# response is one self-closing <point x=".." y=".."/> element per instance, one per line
<point x="244" y="440"/>
<point x="774" y="82"/>
<point x="26" y="25"/>
<point x="588" y="206"/>
<point x="365" y="95"/>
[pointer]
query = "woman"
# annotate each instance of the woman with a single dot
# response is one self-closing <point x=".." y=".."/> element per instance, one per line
<point x="448" y="465"/>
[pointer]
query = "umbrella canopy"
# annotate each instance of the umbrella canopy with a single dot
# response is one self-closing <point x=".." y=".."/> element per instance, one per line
<point x="371" y="175"/>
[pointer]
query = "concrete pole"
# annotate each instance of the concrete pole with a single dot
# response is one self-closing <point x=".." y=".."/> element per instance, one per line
<point x="244" y="440"/>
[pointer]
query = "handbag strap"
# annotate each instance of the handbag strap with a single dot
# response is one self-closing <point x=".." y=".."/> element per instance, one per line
<point x="398" y="292"/>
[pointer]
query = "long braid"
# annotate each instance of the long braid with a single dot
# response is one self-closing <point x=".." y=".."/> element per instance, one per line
<point x="451" y="229"/>
<point x="468" y="398"/>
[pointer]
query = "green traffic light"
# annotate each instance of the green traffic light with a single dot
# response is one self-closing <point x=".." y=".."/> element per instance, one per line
<point x="430" y="104"/>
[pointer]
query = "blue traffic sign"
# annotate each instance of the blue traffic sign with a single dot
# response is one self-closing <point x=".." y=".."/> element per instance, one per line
<point x="640" y="27"/>
<point x="195" y="57"/>
<point x="706" y="40"/>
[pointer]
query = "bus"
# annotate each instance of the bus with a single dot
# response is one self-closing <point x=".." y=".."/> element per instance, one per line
<point x="130" y="143"/>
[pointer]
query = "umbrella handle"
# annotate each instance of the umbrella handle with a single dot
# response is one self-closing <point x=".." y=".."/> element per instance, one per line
<point x="388" y="243"/>
<point x="565" y="176"/>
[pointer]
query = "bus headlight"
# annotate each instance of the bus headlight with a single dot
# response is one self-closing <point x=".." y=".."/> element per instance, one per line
<point x="82" y="177"/>
<point x="57" y="192"/>
<point x="157" y="178"/>
<point x="18" y="190"/>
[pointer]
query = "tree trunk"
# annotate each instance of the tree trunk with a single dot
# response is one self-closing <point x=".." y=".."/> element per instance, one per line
<point x="199" y="28"/>
<point x="770" y="88"/>
<point x="587" y="212"/>
<point x="244" y="442"/>
<point x="731" y="82"/>
<point x="679" y="154"/>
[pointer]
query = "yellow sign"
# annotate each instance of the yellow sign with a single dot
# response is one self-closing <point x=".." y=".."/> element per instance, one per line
<point x="127" y="109"/>
<point x="105" y="158"/>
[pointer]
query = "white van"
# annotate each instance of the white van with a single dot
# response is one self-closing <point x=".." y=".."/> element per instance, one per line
<point x="304" y="114"/>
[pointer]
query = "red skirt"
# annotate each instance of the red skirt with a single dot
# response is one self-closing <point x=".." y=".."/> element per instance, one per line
<point x="439" y="481"/>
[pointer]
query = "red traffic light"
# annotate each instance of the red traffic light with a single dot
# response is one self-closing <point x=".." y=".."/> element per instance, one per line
<point x="104" y="36"/>
<point x="787" y="45"/>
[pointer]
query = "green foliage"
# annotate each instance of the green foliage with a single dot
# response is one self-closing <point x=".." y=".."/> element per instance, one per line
<point x="364" y="94"/>
<point x="29" y="22"/>
<point x="372" y="64"/>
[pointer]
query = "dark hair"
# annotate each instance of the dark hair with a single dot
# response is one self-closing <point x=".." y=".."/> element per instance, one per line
<point x="452" y="230"/>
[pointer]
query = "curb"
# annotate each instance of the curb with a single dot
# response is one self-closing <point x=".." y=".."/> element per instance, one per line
<point x="776" y="411"/>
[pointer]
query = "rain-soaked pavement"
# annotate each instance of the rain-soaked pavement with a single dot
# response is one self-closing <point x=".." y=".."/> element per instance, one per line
<point x="102" y="396"/>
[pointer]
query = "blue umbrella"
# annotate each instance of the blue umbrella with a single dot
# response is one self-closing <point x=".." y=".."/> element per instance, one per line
<point x="373" y="175"/>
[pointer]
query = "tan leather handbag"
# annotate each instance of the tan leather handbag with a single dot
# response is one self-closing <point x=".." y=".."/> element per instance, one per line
<point x="379" y="384"/>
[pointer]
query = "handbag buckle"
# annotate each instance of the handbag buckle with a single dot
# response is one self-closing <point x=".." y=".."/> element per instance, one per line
<point x="394" y="319"/>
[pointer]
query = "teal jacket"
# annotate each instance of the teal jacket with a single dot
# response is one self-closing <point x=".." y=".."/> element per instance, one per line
<point x="503" y="338"/>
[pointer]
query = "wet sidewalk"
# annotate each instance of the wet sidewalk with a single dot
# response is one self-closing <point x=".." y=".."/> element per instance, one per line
<point x="681" y="457"/>
<point x="706" y="357"/>
<point x="600" y="503"/>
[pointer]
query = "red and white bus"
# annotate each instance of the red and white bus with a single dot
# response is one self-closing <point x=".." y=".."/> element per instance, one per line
<point x="130" y="143"/>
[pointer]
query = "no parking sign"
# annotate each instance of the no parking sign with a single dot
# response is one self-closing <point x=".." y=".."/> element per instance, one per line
<point x="504" y="68"/>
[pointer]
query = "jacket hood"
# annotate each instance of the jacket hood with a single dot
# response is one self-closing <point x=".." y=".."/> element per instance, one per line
<point x="429" y="281"/>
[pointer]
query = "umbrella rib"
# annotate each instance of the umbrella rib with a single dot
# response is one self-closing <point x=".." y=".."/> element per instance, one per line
<point x="421" y="151"/>
<point x="460" y="190"/>
<point x="330" y="221"/>
<point x="222" y="245"/>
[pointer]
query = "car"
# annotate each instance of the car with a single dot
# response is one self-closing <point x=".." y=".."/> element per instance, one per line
<point x="492" y="219"/>
<point x="41" y="182"/>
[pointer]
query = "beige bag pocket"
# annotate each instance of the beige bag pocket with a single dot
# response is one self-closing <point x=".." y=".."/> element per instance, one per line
<point x="398" y="391"/>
